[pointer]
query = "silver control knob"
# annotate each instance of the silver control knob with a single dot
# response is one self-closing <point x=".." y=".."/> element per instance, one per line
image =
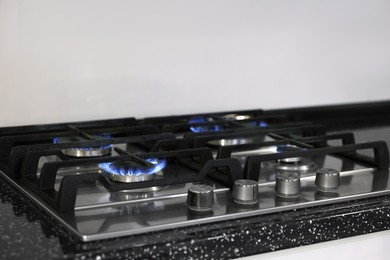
<point x="245" y="192"/>
<point x="200" y="197"/>
<point x="288" y="185"/>
<point x="327" y="179"/>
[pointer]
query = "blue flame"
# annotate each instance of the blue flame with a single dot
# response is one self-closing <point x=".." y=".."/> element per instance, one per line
<point x="158" y="166"/>
<point x="56" y="140"/>
<point x="200" y="129"/>
<point x="262" y="123"/>
<point x="199" y="119"/>
<point x="288" y="148"/>
<point x="203" y="128"/>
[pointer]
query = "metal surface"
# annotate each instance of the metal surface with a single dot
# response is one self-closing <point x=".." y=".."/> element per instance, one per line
<point x="102" y="218"/>
<point x="171" y="210"/>
<point x="305" y="179"/>
<point x="100" y="214"/>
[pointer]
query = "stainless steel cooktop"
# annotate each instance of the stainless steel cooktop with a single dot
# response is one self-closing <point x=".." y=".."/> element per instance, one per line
<point x="118" y="178"/>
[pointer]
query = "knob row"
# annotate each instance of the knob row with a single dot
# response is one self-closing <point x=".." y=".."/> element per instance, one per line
<point x="288" y="184"/>
<point x="200" y="197"/>
<point x="245" y="192"/>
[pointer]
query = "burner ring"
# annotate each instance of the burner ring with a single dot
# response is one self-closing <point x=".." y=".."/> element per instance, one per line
<point x="303" y="165"/>
<point x="94" y="151"/>
<point x="87" y="152"/>
<point x="290" y="160"/>
<point x="129" y="171"/>
<point x="230" y="142"/>
<point x="131" y="178"/>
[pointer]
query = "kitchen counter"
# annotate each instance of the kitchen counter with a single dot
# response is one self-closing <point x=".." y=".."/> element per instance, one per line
<point x="368" y="246"/>
<point x="28" y="232"/>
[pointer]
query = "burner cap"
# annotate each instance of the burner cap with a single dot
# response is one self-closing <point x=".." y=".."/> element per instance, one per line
<point x="194" y="127"/>
<point x="291" y="163"/>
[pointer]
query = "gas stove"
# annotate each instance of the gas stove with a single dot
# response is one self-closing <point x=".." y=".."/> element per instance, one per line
<point x="126" y="178"/>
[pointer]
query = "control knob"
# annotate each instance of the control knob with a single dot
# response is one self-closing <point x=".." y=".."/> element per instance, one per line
<point x="245" y="192"/>
<point x="288" y="185"/>
<point x="200" y="198"/>
<point x="327" y="179"/>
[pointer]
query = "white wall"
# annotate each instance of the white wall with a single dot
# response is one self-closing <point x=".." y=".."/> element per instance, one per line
<point x="90" y="59"/>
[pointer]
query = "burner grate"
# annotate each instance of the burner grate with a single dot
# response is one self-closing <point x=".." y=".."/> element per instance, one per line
<point x="64" y="199"/>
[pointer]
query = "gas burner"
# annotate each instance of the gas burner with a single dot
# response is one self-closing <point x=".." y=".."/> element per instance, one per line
<point x="199" y="119"/>
<point x="301" y="165"/>
<point x="129" y="171"/>
<point x="237" y="117"/>
<point x="289" y="148"/>
<point x="290" y="163"/>
<point x="260" y="123"/>
<point x="94" y="151"/>
<point x="203" y="128"/>
<point x="230" y="142"/>
<point x="240" y="117"/>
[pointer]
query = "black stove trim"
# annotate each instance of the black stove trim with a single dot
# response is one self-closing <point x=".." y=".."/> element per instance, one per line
<point x="341" y="116"/>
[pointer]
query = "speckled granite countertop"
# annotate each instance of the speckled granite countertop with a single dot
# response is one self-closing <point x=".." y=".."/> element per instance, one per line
<point x="26" y="232"/>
